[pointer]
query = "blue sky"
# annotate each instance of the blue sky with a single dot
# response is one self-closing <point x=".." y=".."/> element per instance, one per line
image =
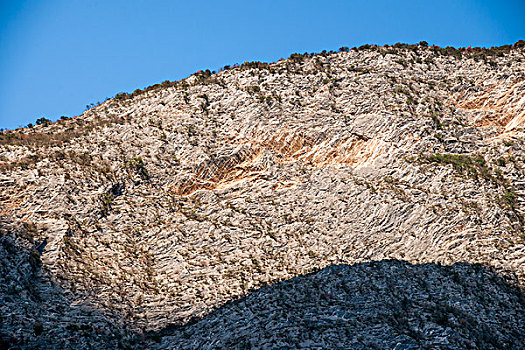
<point x="57" y="56"/>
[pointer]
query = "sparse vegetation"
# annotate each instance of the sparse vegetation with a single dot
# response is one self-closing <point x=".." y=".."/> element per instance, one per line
<point x="476" y="167"/>
<point x="138" y="165"/>
<point x="198" y="192"/>
<point x="43" y="121"/>
<point x="473" y="166"/>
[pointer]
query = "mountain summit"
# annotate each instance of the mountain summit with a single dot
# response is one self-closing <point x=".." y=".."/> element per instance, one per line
<point x="366" y="198"/>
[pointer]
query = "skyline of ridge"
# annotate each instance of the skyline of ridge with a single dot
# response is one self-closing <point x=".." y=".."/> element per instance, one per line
<point x="62" y="56"/>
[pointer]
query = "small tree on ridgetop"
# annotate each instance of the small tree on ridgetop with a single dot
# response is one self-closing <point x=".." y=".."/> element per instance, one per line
<point x="43" y="121"/>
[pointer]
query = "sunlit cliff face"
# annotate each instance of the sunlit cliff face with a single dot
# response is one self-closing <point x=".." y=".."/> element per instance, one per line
<point x="160" y="206"/>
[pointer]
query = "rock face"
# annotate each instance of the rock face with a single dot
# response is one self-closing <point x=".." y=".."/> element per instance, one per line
<point x="155" y="208"/>
<point x="380" y="305"/>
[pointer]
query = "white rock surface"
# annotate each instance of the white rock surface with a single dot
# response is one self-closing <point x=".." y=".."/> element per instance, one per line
<point x="161" y="207"/>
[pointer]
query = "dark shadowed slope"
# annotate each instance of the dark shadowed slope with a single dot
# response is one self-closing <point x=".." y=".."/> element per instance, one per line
<point x="378" y="305"/>
<point x="35" y="313"/>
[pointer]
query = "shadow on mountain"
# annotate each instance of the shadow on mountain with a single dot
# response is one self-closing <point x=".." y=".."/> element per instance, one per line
<point x="388" y="304"/>
<point x="35" y="313"/>
<point x="376" y="305"/>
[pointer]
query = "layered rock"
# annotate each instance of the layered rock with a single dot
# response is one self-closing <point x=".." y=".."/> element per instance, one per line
<point x="158" y="207"/>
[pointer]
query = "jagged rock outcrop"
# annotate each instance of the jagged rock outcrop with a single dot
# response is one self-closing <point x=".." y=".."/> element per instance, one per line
<point x="160" y="206"/>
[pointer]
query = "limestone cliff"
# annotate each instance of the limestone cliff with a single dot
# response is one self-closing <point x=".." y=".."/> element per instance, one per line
<point x="155" y="208"/>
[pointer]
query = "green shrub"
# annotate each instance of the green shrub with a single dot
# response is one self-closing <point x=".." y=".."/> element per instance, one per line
<point x="254" y="89"/>
<point x="520" y="44"/>
<point x="43" y="121"/>
<point x="122" y="96"/>
<point x="472" y="166"/>
<point x="402" y="62"/>
<point x="510" y="198"/>
<point x="138" y="165"/>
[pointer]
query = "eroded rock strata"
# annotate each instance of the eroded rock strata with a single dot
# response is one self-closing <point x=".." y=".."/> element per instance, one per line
<point x="156" y="208"/>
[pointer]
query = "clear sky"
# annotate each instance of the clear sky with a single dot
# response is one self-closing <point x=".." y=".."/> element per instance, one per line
<point x="57" y="56"/>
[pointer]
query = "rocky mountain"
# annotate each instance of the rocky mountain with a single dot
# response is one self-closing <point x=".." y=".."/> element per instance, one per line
<point x="366" y="198"/>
